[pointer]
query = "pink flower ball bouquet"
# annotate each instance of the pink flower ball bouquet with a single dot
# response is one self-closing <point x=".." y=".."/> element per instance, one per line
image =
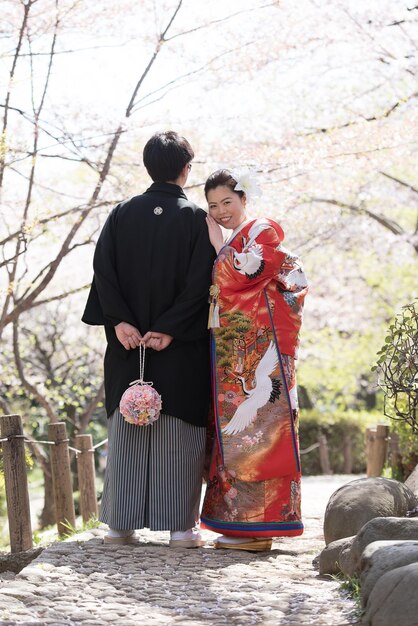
<point x="140" y="404"/>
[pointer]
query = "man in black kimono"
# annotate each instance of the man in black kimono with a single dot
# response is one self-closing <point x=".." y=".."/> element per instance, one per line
<point x="152" y="271"/>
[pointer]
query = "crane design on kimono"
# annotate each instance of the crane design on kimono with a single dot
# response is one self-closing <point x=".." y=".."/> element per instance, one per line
<point x="265" y="390"/>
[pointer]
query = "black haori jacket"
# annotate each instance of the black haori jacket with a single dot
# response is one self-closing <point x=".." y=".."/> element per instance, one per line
<point x="152" y="268"/>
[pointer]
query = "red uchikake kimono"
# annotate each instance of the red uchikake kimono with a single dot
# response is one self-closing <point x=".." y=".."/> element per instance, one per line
<point x="253" y="487"/>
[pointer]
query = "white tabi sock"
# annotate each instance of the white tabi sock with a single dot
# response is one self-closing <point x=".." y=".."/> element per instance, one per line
<point x="113" y="532"/>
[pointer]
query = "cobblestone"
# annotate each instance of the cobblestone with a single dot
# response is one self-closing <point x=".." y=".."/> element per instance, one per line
<point x="86" y="582"/>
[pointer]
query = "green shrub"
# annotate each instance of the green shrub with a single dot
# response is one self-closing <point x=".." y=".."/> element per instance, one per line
<point x="397" y="365"/>
<point x="408" y="450"/>
<point x="336" y="426"/>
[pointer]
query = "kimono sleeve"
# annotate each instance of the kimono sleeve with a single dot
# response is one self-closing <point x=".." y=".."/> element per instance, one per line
<point x="186" y="319"/>
<point x="257" y="264"/>
<point x="105" y="291"/>
<point x="291" y="276"/>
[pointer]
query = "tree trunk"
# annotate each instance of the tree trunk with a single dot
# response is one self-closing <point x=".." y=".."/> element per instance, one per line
<point x="47" y="517"/>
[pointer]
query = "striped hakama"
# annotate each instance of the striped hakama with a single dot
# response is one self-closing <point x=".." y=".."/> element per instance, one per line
<point x="153" y="475"/>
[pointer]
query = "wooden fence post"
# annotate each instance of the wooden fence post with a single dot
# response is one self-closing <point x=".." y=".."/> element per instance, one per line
<point x="348" y="454"/>
<point x="394" y="454"/>
<point x="377" y="446"/>
<point x="61" y="477"/>
<point x="86" y="477"/>
<point x="323" y="454"/>
<point x="370" y="441"/>
<point x="16" y="483"/>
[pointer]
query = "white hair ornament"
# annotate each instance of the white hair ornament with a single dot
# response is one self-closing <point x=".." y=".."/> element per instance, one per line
<point x="246" y="182"/>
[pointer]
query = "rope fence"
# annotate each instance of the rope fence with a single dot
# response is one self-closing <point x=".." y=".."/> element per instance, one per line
<point x="314" y="446"/>
<point x="13" y="442"/>
<point x="53" y="443"/>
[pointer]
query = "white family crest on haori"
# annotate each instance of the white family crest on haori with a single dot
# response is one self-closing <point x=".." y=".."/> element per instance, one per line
<point x="246" y="182"/>
<point x="258" y="396"/>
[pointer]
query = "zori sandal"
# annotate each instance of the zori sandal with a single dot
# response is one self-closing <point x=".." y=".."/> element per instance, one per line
<point x="238" y="543"/>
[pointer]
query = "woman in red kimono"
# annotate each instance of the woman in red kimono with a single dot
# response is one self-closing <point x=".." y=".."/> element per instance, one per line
<point x="257" y="294"/>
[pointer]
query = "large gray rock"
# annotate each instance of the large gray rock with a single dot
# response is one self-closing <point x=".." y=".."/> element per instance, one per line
<point x="329" y="558"/>
<point x="380" y="557"/>
<point x="378" y="529"/>
<point x="394" y="599"/>
<point x="359" y="501"/>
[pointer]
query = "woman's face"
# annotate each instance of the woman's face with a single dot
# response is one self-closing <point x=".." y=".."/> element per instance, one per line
<point x="226" y="207"/>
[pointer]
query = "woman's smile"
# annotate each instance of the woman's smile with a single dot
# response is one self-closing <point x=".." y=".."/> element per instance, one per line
<point x="226" y="207"/>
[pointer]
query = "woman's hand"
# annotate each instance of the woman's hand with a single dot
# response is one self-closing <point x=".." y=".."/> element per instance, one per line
<point x="215" y="233"/>
<point x="128" y="335"/>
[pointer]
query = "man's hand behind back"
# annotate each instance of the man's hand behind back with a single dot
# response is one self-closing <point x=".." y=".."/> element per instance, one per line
<point x="128" y="335"/>
<point x="157" y="341"/>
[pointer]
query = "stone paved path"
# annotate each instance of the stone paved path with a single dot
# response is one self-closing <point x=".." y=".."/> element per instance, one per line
<point x="82" y="581"/>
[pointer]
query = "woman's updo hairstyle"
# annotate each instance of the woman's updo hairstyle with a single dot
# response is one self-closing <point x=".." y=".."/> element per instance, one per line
<point x="221" y="178"/>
